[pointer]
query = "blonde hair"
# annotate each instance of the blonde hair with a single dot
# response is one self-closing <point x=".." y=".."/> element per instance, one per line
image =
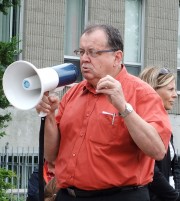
<point x="157" y="77"/>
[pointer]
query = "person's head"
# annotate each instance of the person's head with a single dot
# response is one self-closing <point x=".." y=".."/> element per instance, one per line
<point x="100" y="52"/>
<point x="163" y="82"/>
<point x="48" y="170"/>
<point x="51" y="167"/>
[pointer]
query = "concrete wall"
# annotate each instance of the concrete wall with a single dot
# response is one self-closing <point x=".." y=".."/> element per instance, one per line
<point x="175" y="122"/>
<point x="43" y="32"/>
<point x="23" y="130"/>
<point x="161" y="33"/>
<point x="161" y="36"/>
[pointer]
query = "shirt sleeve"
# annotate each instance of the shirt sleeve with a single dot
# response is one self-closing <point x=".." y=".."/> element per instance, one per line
<point x="151" y="109"/>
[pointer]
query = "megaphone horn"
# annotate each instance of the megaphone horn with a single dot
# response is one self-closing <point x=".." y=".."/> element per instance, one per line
<point x="24" y="84"/>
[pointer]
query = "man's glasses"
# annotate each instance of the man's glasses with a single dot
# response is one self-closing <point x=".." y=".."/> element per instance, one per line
<point x="92" y="52"/>
<point x="164" y="71"/>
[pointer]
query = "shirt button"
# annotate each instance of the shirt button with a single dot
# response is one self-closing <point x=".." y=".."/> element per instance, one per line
<point x="81" y="134"/>
<point x="74" y="154"/>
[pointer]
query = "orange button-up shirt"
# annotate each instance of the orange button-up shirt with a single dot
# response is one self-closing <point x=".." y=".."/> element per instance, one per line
<point x="96" y="149"/>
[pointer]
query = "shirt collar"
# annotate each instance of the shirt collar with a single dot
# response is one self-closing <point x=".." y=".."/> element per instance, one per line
<point x="88" y="88"/>
<point x="122" y="74"/>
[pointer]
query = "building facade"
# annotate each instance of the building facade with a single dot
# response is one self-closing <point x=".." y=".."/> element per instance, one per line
<point x="49" y="32"/>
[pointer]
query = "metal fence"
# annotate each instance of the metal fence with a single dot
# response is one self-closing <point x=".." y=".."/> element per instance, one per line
<point x="22" y="161"/>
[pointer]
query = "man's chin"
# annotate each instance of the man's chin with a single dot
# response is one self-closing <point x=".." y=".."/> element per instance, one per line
<point x="87" y="76"/>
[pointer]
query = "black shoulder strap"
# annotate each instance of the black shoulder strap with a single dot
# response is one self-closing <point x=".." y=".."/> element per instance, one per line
<point x="41" y="159"/>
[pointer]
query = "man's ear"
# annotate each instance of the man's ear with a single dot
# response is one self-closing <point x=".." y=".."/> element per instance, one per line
<point x="118" y="58"/>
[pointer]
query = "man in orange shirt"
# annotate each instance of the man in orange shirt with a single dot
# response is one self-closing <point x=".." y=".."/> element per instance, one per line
<point x="109" y="128"/>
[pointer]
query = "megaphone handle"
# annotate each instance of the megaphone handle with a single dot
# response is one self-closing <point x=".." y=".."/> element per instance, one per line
<point x="42" y="114"/>
<point x="51" y="93"/>
<point x="41" y="159"/>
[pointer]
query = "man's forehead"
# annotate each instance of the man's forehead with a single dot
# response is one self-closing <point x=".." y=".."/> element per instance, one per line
<point x="96" y="32"/>
<point x="95" y="38"/>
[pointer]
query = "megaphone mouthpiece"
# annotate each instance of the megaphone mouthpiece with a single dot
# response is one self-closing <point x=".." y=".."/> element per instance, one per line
<point x="31" y="83"/>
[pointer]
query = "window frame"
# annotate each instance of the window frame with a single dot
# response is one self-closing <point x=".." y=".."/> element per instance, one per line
<point x="75" y="59"/>
<point x="14" y="25"/>
<point x="178" y="80"/>
<point x="138" y="65"/>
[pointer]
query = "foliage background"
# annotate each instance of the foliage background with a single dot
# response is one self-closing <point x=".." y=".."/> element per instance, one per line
<point x="8" y="53"/>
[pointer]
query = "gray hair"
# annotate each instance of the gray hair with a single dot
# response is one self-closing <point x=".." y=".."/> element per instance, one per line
<point x="113" y="34"/>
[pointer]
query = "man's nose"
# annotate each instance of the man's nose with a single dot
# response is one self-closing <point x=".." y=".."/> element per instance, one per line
<point x="85" y="56"/>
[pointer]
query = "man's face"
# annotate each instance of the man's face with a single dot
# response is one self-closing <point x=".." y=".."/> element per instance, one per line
<point x="95" y="66"/>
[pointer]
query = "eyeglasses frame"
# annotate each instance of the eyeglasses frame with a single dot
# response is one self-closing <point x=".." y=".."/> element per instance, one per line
<point x="97" y="52"/>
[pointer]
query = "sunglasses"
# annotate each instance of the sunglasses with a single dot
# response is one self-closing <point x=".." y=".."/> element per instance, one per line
<point x="164" y="71"/>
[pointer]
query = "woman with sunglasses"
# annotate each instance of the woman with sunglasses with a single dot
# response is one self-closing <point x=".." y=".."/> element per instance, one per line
<point x="163" y="82"/>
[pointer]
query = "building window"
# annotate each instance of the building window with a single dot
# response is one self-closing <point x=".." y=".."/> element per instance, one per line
<point x="74" y="25"/>
<point x="132" y="36"/>
<point x="178" y="80"/>
<point x="10" y="23"/>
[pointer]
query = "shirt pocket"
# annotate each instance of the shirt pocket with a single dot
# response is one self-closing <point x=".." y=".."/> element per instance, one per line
<point x="105" y="128"/>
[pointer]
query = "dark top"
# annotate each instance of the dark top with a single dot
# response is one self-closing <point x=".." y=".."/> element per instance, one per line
<point x="160" y="189"/>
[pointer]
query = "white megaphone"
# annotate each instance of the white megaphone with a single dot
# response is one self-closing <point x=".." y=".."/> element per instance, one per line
<point x="24" y="84"/>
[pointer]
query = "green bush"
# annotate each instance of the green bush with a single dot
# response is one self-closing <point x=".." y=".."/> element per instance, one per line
<point x="5" y="185"/>
<point x="8" y="52"/>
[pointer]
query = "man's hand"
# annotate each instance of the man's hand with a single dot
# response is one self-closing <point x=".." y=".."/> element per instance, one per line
<point x="48" y="104"/>
<point x="113" y="89"/>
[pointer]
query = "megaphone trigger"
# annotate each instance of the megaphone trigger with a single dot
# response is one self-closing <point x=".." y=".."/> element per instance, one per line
<point x="42" y="114"/>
